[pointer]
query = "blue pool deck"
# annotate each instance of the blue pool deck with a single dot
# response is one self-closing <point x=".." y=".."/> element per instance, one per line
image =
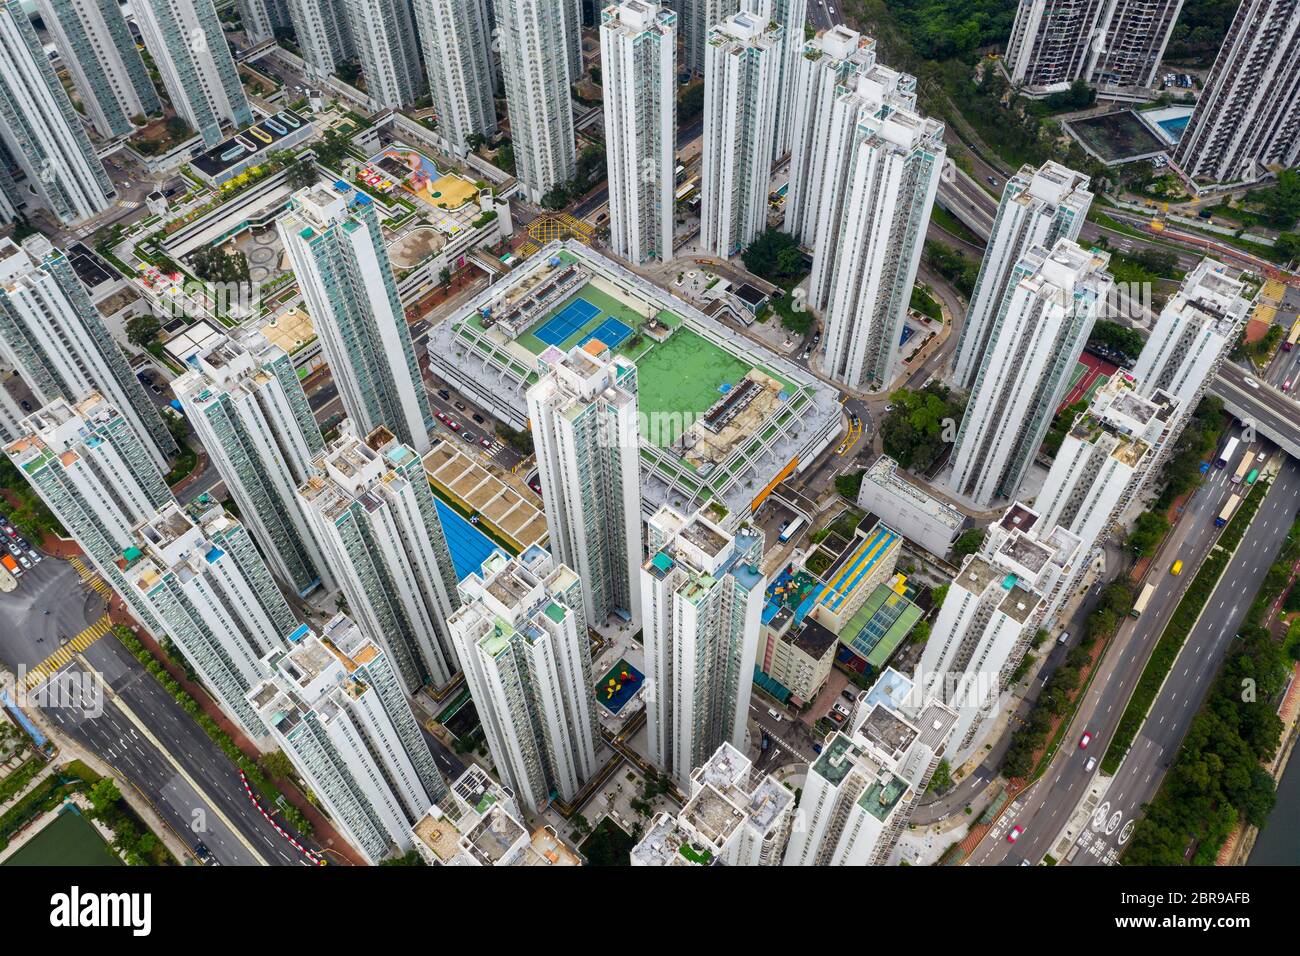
<point x="469" y="546"/>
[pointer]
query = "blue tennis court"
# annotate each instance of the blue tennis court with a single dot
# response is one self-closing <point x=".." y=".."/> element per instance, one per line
<point x="469" y="546"/>
<point x="567" y="321"/>
<point x="611" y="332"/>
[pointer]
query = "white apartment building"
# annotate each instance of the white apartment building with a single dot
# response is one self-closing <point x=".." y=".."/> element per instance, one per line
<point x="245" y="402"/>
<point x="735" y="816"/>
<point x="861" y="789"/>
<point x="523" y="646"/>
<point x="1196" y="330"/>
<point x="457" y="41"/>
<point x="99" y="53"/>
<point x="741" y="73"/>
<point x="373" y="513"/>
<point x="792" y="15"/>
<point x="638" y="56"/>
<point x="324" y="34"/>
<point x="334" y="705"/>
<point x="1046" y="558"/>
<point x="535" y="61"/>
<point x="701" y="600"/>
<point x="41" y="130"/>
<point x="583" y="415"/>
<point x="52" y="333"/>
<point x="869" y="248"/>
<point x="188" y="47"/>
<point x="742" y="70"/>
<point x="978" y="627"/>
<point x="698" y="17"/>
<point x="337" y="251"/>
<point x="1042" y="325"/>
<point x="260" y="18"/>
<point x="825" y="78"/>
<point x="384" y="37"/>
<point x="97" y="478"/>
<point x="573" y="36"/>
<point x="1116" y="45"/>
<point x="199" y="572"/>
<point x="477" y="824"/>
<point x="1038" y="207"/>
<point x="1106" y="458"/>
<point x="1247" y="121"/>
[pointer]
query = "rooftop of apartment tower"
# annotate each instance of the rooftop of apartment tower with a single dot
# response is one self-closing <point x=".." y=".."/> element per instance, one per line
<point x="705" y="537"/>
<point x="712" y="815"/>
<point x="888" y="732"/>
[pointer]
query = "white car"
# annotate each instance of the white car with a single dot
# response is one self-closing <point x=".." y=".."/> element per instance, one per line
<point x="1251" y="383"/>
<point x="773" y="714"/>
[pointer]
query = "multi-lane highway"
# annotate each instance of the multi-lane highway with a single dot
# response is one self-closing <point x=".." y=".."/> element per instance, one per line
<point x="1045" y="809"/>
<point x="1274" y="413"/>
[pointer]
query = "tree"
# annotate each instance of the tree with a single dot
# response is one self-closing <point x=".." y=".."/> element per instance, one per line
<point x="142" y="330"/>
<point x="690" y="103"/>
<point x="1148" y="531"/>
<point x="920" y="426"/>
<point x="301" y="174"/>
<point x="848" y="485"/>
<point x="775" y="256"/>
<point x="941" y="779"/>
<point x="104" y="795"/>
<point x="1280" y="203"/>
<point x="1120" y="338"/>
<point x="331" y="148"/>
<point x="277" y="765"/>
<point x="557" y="198"/>
<point x="969" y="542"/>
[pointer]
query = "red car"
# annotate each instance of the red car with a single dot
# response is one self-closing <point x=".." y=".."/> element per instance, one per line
<point x="454" y="426"/>
<point x="1085" y="740"/>
<point x="1014" y="835"/>
<point x="485" y="443"/>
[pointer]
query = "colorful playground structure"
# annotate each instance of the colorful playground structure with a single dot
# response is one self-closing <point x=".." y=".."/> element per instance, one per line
<point x="619" y="685"/>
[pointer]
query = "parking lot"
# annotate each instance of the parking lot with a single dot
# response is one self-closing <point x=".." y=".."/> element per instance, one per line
<point x="17" y="555"/>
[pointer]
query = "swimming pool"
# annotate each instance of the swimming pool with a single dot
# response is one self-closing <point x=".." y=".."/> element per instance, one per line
<point x="1174" y="126"/>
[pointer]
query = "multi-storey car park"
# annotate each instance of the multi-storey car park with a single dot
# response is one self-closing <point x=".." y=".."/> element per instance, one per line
<point x="721" y="419"/>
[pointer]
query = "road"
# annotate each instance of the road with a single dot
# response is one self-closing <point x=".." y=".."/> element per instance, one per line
<point x="1046" y="807"/>
<point x="791" y="741"/>
<point x="1189" y="680"/>
<point x="1273" y="411"/>
<point x="164" y="753"/>
<point x="824" y="14"/>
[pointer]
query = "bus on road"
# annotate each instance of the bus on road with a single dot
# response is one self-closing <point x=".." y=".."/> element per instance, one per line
<point x="1229" y="509"/>
<point x="1229" y="450"/>
<point x="1246" y="461"/>
<point x="1143" y="600"/>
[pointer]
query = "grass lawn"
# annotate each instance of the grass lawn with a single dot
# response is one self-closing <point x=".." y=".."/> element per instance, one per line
<point x="682" y="376"/>
<point x="70" y="840"/>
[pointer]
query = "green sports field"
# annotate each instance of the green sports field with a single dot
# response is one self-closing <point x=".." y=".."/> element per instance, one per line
<point x="682" y="376"/>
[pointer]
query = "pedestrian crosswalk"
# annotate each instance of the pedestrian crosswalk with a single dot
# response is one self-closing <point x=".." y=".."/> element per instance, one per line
<point x="50" y="666"/>
<point x="90" y="577"/>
